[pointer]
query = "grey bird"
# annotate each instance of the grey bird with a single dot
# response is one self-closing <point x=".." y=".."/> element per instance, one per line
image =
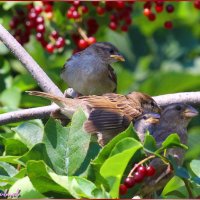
<point x="146" y="122"/>
<point x="89" y="72"/>
<point x="174" y="119"/>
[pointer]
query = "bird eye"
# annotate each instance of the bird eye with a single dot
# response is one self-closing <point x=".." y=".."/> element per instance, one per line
<point x="111" y="51"/>
<point x="144" y="117"/>
<point x="178" y="108"/>
<point x="152" y="104"/>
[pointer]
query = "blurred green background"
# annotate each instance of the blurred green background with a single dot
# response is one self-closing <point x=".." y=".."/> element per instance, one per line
<point x="158" y="61"/>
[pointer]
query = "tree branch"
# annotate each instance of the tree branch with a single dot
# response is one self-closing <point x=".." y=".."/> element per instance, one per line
<point x="42" y="112"/>
<point x="38" y="74"/>
<point x="27" y="114"/>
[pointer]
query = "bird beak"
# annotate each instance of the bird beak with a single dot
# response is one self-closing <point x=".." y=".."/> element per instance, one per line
<point x="154" y="119"/>
<point x="190" y="112"/>
<point x="118" y="57"/>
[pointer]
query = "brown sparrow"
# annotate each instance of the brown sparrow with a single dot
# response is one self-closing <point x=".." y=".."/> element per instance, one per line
<point x="174" y="119"/>
<point x="89" y="72"/>
<point x="107" y="115"/>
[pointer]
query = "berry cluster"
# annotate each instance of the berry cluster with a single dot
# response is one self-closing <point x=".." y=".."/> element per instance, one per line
<point x="38" y="19"/>
<point x="31" y="20"/>
<point x="151" y="8"/>
<point x="137" y="177"/>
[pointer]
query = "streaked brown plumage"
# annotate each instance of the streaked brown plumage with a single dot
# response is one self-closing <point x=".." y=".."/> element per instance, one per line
<point x="174" y="119"/>
<point x="107" y="115"/>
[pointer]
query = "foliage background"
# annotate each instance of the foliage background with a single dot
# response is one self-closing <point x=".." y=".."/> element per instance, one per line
<point x="158" y="61"/>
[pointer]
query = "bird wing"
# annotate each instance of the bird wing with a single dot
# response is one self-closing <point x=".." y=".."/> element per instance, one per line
<point x="112" y="113"/>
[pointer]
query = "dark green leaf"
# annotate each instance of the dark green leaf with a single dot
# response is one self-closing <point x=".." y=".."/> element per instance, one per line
<point x="30" y="133"/>
<point x="149" y="143"/>
<point x="113" y="168"/>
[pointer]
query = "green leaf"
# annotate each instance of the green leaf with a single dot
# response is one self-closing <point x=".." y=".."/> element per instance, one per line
<point x="11" y="97"/>
<point x="10" y="159"/>
<point x="39" y="176"/>
<point x="149" y="143"/>
<point x="172" y="140"/>
<point x="30" y="133"/>
<point x="24" y="82"/>
<point x="78" y="142"/>
<point x="113" y="168"/>
<point x="105" y="152"/>
<point x="25" y="188"/>
<point x="38" y="152"/>
<point x="195" y="167"/>
<point x="14" y="147"/>
<point x="57" y="186"/>
<point x="55" y="140"/>
<point x="175" y="187"/>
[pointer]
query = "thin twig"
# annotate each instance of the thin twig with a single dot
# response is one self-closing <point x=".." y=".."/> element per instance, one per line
<point x="191" y="196"/>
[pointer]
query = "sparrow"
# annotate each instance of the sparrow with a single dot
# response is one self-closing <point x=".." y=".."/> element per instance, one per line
<point x="89" y="71"/>
<point x="146" y="123"/>
<point x="174" y="119"/>
<point x="107" y="115"/>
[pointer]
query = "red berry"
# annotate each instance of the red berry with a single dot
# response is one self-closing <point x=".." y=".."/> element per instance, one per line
<point x="100" y="10"/>
<point x="128" y="21"/>
<point x="69" y="14"/>
<point x="150" y="171"/>
<point x="91" y="40"/>
<point x="60" y="42"/>
<point x="76" y="3"/>
<point x="40" y="28"/>
<point x="39" y="36"/>
<point x="29" y="24"/>
<point x="151" y="17"/>
<point x="50" y="48"/>
<point x="142" y="170"/>
<point x="148" y="4"/>
<point x="32" y="16"/>
<point x="82" y="44"/>
<point x="170" y="8"/>
<point x="113" y="25"/>
<point x="84" y="9"/>
<point x="38" y="10"/>
<point x="146" y="11"/>
<point x="120" y="4"/>
<point x="197" y="4"/>
<point x="95" y="3"/>
<point x="124" y="28"/>
<point x="129" y="182"/>
<point x="138" y="177"/>
<point x="168" y="25"/>
<point x="48" y="8"/>
<point x="159" y="8"/>
<point x="75" y="14"/>
<point x="122" y="189"/>
<point x="54" y="35"/>
<point x="39" y="20"/>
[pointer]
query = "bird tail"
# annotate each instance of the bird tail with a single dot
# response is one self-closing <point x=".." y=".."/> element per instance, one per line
<point x="60" y="101"/>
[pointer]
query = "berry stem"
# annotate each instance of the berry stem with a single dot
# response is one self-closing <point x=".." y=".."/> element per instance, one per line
<point x="140" y="163"/>
<point x="82" y="34"/>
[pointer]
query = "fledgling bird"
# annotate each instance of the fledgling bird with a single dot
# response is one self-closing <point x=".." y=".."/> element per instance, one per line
<point x="174" y="119"/>
<point x="146" y="122"/>
<point x="89" y="72"/>
<point x="107" y="115"/>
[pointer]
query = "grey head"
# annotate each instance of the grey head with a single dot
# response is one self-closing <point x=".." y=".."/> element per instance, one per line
<point x="176" y="114"/>
<point x="146" y="122"/>
<point x="107" y="52"/>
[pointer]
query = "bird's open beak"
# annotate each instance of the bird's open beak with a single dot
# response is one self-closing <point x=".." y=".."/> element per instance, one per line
<point x="118" y="57"/>
<point x="190" y="112"/>
<point x="154" y="119"/>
